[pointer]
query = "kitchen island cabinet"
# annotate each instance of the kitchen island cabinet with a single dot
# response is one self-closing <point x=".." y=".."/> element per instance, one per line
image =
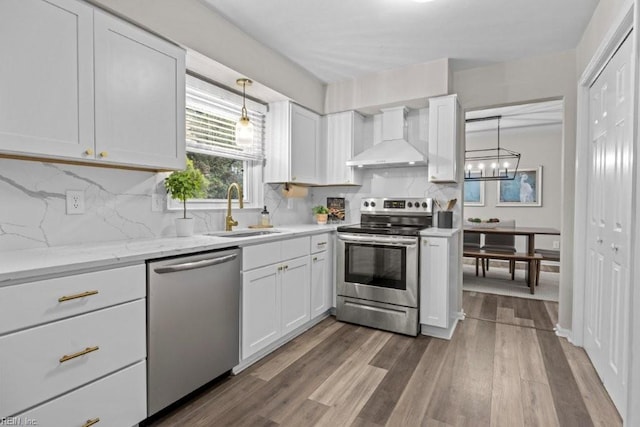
<point x="109" y="93"/>
<point x="292" y="144"/>
<point x="440" y="284"/>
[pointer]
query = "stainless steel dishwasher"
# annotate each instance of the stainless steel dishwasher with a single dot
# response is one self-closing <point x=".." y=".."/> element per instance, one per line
<point x="193" y="317"/>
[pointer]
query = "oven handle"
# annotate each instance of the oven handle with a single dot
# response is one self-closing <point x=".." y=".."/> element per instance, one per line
<point x="378" y="240"/>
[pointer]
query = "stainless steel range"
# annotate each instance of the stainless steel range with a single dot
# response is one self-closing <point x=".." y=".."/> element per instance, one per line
<point x="377" y="268"/>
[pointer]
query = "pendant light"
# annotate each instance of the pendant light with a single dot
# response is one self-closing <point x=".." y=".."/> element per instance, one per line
<point x="490" y="164"/>
<point x="244" y="127"/>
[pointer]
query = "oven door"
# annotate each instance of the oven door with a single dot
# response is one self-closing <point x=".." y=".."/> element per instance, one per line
<point x="378" y="268"/>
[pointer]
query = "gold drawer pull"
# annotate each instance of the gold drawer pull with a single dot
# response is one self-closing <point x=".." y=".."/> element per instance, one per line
<point x="91" y="422"/>
<point x="103" y="154"/>
<point x="88" y="152"/>
<point x="315" y="258"/>
<point x="322" y="243"/>
<point x="87" y="350"/>
<point x="76" y="296"/>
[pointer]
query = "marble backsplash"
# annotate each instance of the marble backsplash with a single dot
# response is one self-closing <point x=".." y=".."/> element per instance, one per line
<point x="118" y="203"/>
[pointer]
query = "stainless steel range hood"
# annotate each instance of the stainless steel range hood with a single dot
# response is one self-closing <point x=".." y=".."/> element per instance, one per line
<point x="394" y="150"/>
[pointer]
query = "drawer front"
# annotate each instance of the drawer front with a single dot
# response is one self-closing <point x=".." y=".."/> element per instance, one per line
<point x="117" y="400"/>
<point x="32" y="362"/>
<point x="260" y="255"/>
<point x="319" y="243"/>
<point x="294" y="248"/>
<point x="34" y="303"/>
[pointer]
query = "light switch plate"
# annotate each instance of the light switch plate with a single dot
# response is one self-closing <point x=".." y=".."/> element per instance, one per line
<point x="75" y="202"/>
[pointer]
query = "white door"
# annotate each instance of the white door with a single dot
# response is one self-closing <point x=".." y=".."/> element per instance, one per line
<point x="320" y="284"/>
<point x="139" y="91"/>
<point x="607" y="293"/>
<point x="46" y="77"/>
<point x="295" y="286"/>
<point x="260" y="309"/>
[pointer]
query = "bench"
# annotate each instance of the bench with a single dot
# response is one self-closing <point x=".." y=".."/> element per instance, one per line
<point x="481" y="254"/>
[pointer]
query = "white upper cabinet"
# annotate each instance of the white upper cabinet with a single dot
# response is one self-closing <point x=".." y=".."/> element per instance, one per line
<point x="293" y="144"/>
<point x="445" y="131"/>
<point x="46" y="77"/>
<point x="82" y="85"/>
<point x="139" y="93"/>
<point x="344" y="140"/>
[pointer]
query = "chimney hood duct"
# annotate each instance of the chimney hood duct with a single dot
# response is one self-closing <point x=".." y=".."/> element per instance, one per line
<point x="394" y="150"/>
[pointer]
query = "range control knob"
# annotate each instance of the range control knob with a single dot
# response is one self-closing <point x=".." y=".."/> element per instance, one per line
<point x="366" y="204"/>
<point x="424" y="204"/>
<point x="417" y="205"/>
<point x="410" y="204"/>
<point x="373" y="204"/>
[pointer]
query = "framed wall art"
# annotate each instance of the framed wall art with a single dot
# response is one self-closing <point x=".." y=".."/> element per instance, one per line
<point x="524" y="190"/>
<point x="474" y="192"/>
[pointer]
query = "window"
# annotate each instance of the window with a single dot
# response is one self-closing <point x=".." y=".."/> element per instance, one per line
<point x="211" y="115"/>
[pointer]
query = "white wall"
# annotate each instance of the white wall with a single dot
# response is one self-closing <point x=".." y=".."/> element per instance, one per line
<point x="539" y="146"/>
<point x="192" y="24"/>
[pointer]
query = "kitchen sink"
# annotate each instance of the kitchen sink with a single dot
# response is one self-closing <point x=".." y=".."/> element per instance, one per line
<point x="242" y="233"/>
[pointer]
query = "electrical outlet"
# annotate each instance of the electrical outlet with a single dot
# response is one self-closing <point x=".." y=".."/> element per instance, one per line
<point x="158" y="202"/>
<point x="75" y="202"/>
<point x="556" y="244"/>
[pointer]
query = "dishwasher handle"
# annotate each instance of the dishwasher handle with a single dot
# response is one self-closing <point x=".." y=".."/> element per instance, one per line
<point x="195" y="264"/>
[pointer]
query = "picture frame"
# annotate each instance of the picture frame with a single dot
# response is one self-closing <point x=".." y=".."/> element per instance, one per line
<point x="524" y="190"/>
<point x="474" y="192"/>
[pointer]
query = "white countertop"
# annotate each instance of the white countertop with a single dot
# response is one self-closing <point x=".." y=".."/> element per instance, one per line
<point x="29" y="264"/>
<point x="439" y="232"/>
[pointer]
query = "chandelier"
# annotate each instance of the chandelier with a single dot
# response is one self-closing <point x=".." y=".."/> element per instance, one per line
<point x="490" y="164"/>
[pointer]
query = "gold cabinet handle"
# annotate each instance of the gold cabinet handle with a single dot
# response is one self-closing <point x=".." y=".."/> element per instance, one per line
<point x="286" y="267"/>
<point x="280" y="268"/>
<point x="322" y="243"/>
<point x="103" y="154"/>
<point x="315" y="258"/>
<point x="88" y="152"/>
<point x="87" y="350"/>
<point x="76" y="296"/>
<point x="91" y="422"/>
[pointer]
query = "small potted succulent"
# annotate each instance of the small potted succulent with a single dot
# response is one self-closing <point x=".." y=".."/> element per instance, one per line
<point x="182" y="185"/>
<point x="322" y="213"/>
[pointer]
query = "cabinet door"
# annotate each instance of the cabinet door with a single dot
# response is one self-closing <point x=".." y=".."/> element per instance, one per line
<point x="139" y="95"/>
<point x="305" y="142"/>
<point x="434" y="278"/>
<point x="260" y="309"/>
<point x="344" y="140"/>
<point x="321" y="289"/>
<point x="46" y="77"/>
<point x="443" y="139"/>
<point x="295" y="293"/>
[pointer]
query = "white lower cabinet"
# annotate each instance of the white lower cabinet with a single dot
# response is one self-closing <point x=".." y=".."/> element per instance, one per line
<point x="80" y="347"/>
<point x="321" y="274"/>
<point x="117" y="400"/>
<point x="260" y="309"/>
<point x="295" y="303"/>
<point x="275" y="297"/>
<point x="439" y="285"/>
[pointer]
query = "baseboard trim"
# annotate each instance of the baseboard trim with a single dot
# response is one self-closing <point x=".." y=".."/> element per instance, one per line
<point x="563" y="333"/>
<point x="443" y="333"/>
<point x="244" y="364"/>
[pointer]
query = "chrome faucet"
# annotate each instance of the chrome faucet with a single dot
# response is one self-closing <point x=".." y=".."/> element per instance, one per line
<point x="229" y="222"/>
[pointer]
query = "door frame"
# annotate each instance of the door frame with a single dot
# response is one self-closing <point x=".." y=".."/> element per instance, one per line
<point x="608" y="47"/>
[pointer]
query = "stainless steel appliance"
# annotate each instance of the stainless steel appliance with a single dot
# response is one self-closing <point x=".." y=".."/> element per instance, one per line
<point x="377" y="266"/>
<point x="193" y="312"/>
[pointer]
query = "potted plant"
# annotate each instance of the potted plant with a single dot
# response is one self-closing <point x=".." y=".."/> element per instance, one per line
<point x="182" y="185"/>
<point x="321" y="213"/>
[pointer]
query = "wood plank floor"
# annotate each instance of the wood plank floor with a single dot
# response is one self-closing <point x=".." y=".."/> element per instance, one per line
<point x="503" y="367"/>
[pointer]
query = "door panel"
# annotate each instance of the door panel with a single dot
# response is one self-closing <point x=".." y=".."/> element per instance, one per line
<point x="607" y="292"/>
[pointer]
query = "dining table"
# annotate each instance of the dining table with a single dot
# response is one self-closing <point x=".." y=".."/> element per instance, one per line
<point x="529" y="232"/>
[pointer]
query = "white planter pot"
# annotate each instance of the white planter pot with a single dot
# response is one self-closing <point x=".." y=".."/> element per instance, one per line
<point x="184" y="227"/>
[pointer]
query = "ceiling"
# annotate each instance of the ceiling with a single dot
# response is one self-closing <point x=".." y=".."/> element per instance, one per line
<point x="341" y="39"/>
<point x="515" y="116"/>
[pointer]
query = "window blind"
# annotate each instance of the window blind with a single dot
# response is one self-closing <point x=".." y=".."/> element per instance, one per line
<point x="211" y="116"/>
